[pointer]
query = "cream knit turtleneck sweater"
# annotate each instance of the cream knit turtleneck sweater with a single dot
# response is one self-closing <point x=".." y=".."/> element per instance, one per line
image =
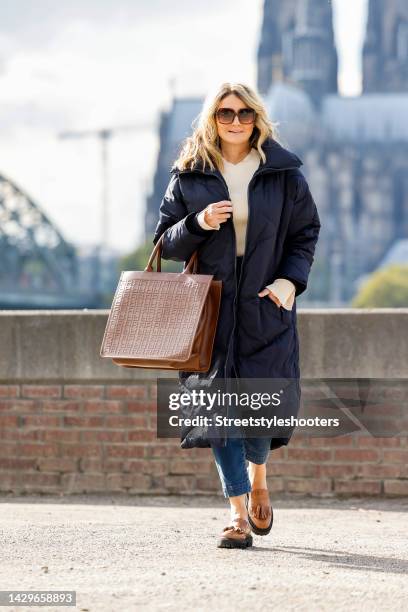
<point x="237" y="177"/>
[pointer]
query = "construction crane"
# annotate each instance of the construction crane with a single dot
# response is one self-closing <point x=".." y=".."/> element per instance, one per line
<point x="104" y="135"/>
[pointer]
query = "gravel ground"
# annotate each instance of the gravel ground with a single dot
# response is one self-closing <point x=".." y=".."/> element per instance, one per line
<point x="136" y="553"/>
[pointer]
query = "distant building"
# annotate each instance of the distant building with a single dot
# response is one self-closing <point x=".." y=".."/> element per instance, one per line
<point x="354" y="149"/>
<point x="175" y="124"/>
<point x="297" y="45"/>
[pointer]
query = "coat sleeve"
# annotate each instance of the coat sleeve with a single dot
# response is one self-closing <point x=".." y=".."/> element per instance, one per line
<point x="301" y="238"/>
<point x="182" y="231"/>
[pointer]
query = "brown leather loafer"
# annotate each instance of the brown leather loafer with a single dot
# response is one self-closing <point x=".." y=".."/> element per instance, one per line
<point x="236" y="535"/>
<point x="260" y="511"/>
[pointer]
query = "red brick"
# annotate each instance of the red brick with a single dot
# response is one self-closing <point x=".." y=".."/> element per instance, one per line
<point x="335" y="471"/>
<point x="86" y="421"/>
<point x="117" y="482"/>
<point x="153" y="391"/>
<point x="207" y="485"/>
<point x="27" y="488"/>
<point x="9" y="450"/>
<point x="330" y="442"/>
<point x="42" y="420"/>
<point x="37" y="450"/>
<point x="125" y="422"/>
<point x="363" y="487"/>
<point x="84" y="391"/>
<point x="308" y="454"/>
<point x="157" y="485"/>
<point x="379" y="470"/>
<point x="180" y="466"/>
<point x="103" y="406"/>
<point x="122" y="450"/>
<point x="9" y="420"/>
<point x="156" y="468"/>
<point x="39" y="478"/>
<point x="19" y="406"/>
<point x="41" y="391"/>
<point x="276" y="485"/>
<point x="103" y="436"/>
<point x="31" y="481"/>
<point x="62" y="406"/>
<point x="57" y="464"/>
<point x="180" y="484"/>
<point x="396" y="487"/>
<point x="371" y="442"/>
<point x="9" y="390"/>
<point x="90" y="464"/>
<point x="21" y="434"/>
<point x="139" y="465"/>
<point x="16" y="463"/>
<point x="126" y="391"/>
<point x="291" y="469"/>
<point x="113" y="466"/>
<point x="300" y="441"/>
<point x="144" y="407"/>
<point x="158" y="451"/>
<point x="281" y="453"/>
<point x="308" y="485"/>
<point x="355" y="454"/>
<point x="395" y="456"/>
<point x="63" y="435"/>
<point x="80" y="450"/>
<point x="83" y="483"/>
<point x="139" y="483"/>
<point x="141" y="436"/>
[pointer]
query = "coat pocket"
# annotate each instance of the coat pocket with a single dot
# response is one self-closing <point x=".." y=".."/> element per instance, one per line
<point x="274" y="319"/>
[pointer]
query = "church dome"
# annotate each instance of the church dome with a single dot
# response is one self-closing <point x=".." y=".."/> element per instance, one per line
<point x="292" y="108"/>
<point x="286" y="103"/>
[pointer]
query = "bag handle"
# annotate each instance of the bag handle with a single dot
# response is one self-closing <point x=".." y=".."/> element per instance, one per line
<point x="191" y="267"/>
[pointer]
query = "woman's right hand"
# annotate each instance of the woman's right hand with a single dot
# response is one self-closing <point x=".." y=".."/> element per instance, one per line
<point x="217" y="213"/>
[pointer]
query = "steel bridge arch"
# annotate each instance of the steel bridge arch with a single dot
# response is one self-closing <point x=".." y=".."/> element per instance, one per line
<point x="34" y="256"/>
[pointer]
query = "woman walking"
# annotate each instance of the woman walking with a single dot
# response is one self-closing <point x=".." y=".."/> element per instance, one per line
<point x="238" y="198"/>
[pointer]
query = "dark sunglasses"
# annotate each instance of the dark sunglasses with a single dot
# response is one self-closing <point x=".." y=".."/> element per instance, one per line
<point x="227" y="115"/>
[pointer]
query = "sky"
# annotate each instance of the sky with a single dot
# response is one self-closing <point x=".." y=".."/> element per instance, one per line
<point x="76" y="65"/>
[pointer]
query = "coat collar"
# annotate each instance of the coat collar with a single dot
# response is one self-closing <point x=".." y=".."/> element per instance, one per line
<point x="277" y="158"/>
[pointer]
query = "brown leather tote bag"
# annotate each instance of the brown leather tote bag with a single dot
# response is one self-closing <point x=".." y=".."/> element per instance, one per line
<point x="163" y="320"/>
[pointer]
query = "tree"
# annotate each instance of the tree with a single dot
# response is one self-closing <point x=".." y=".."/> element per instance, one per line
<point x="386" y="288"/>
<point x="137" y="259"/>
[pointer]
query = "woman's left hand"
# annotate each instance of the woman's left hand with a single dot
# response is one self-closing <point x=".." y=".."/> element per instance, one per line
<point x="270" y="295"/>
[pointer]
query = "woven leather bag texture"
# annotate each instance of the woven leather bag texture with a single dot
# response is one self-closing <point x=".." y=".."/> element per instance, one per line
<point x="164" y="320"/>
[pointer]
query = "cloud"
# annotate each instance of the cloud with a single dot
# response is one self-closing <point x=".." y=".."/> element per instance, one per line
<point x="85" y="64"/>
<point x="36" y="22"/>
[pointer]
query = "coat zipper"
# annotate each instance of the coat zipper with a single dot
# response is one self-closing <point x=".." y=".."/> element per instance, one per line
<point x="223" y="181"/>
<point x="237" y="286"/>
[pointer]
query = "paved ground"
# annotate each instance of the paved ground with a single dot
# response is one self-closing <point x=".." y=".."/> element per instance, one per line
<point x="124" y="554"/>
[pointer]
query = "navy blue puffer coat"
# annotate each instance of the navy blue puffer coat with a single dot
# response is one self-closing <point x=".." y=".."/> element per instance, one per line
<point x="255" y="338"/>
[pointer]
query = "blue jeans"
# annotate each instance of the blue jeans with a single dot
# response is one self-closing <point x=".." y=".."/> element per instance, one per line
<point x="231" y="462"/>
<point x="231" y="459"/>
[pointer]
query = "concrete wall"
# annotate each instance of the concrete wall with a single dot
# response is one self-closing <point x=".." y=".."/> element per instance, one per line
<point x="73" y="422"/>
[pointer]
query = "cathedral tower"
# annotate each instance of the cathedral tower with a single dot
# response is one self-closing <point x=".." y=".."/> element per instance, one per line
<point x="297" y="45"/>
<point x="385" y="52"/>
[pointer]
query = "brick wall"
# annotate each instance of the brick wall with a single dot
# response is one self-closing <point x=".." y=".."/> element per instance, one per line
<point x="72" y="438"/>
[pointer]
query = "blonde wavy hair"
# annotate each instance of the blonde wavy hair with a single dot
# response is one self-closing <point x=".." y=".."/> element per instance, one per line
<point x="204" y="143"/>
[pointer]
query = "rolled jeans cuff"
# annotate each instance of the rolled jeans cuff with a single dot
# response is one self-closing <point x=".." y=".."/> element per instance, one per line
<point x="233" y="490"/>
<point x="258" y="459"/>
